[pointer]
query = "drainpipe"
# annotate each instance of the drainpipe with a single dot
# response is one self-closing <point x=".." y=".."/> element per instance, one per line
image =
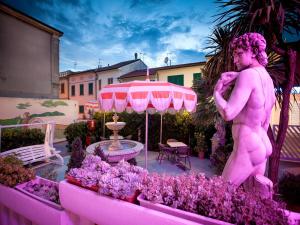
<point x="96" y="80"/>
<point x="68" y="86"/>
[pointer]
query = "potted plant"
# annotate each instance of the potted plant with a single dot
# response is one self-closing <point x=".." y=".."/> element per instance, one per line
<point x="201" y="145"/>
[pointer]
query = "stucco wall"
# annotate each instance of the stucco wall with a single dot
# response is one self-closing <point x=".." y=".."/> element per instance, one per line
<point x="186" y="71"/>
<point x="61" y="111"/>
<point x="28" y="60"/>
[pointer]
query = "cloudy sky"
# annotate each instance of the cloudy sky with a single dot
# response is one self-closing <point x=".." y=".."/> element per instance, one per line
<point x="111" y="31"/>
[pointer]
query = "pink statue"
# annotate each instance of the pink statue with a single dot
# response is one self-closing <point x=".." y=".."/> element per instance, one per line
<point x="249" y="106"/>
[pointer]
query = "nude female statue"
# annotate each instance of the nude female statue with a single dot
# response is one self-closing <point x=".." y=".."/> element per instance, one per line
<point x="249" y="106"/>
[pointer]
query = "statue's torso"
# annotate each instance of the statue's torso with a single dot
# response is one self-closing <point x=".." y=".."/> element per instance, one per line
<point x="249" y="122"/>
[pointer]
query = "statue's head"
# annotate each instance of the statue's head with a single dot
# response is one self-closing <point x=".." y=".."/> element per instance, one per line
<point x="249" y="47"/>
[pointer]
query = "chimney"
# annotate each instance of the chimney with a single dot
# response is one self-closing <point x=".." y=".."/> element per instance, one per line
<point x="135" y="56"/>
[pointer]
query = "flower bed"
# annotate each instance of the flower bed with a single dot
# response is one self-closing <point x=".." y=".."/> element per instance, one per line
<point x="122" y="181"/>
<point x="43" y="190"/>
<point x="211" y="198"/>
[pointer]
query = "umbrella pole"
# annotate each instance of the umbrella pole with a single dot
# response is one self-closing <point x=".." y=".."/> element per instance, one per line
<point x="146" y="141"/>
<point x="104" y="125"/>
<point x="160" y="138"/>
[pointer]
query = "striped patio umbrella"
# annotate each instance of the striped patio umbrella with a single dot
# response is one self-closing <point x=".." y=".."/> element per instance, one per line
<point x="91" y="104"/>
<point x="149" y="96"/>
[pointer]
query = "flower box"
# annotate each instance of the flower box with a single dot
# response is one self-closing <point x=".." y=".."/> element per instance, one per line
<point x="177" y="212"/>
<point x="74" y="181"/>
<point x="19" y="208"/>
<point x="132" y="198"/>
<point x="92" y="208"/>
<point x="39" y="181"/>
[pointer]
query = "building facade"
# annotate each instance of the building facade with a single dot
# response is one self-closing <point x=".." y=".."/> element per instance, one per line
<point x="29" y="56"/>
<point x="181" y="74"/>
<point x="84" y="86"/>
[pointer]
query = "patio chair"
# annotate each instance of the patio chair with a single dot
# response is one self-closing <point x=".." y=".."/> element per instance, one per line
<point x="164" y="150"/>
<point x="183" y="153"/>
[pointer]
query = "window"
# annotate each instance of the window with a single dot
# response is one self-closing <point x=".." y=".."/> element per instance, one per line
<point x="99" y="84"/>
<point x="81" y="109"/>
<point x="81" y="91"/>
<point x="176" y="79"/>
<point x="110" y="80"/>
<point x="196" y="76"/>
<point x="91" y="85"/>
<point x="62" y="88"/>
<point x="73" y="90"/>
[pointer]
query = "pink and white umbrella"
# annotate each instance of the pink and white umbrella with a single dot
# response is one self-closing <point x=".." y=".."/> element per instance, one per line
<point x="91" y="104"/>
<point x="147" y="96"/>
<point x="141" y="95"/>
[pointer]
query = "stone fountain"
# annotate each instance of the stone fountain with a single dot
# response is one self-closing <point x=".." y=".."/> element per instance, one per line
<point x="116" y="150"/>
<point x="115" y="126"/>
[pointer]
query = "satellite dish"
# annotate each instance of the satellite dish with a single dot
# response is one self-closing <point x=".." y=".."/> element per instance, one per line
<point x="166" y="60"/>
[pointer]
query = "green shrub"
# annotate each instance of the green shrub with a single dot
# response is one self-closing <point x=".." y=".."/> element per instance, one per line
<point x="19" y="137"/>
<point x="177" y="126"/>
<point x="76" y="130"/>
<point x="289" y="187"/>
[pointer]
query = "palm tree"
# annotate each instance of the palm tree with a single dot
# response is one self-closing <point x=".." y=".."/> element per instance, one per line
<point x="274" y="19"/>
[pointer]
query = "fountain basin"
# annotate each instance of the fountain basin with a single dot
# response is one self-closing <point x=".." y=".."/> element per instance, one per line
<point x="130" y="150"/>
<point x="115" y="125"/>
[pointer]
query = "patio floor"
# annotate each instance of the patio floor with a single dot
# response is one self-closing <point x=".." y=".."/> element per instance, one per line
<point x="56" y="172"/>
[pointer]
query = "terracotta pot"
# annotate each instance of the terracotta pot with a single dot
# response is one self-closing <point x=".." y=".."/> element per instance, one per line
<point x="201" y="155"/>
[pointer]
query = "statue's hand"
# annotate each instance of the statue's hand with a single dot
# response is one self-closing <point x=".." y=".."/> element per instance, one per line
<point x="229" y="77"/>
<point x="219" y="86"/>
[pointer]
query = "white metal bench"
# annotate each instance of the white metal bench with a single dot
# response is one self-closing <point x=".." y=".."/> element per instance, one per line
<point x="41" y="152"/>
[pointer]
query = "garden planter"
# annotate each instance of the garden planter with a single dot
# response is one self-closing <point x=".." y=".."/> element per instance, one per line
<point x="39" y="180"/>
<point x="94" y="208"/>
<point x="132" y="198"/>
<point x="201" y="155"/>
<point x="178" y="213"/>
<point x="17" y="208"/>
<point x="294" y="218"/>
<point x="74" y="181"/>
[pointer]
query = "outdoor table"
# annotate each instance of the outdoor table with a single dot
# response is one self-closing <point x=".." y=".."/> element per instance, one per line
<point x="176" y="144"/>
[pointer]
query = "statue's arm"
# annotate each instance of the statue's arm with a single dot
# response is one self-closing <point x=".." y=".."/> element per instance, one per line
<point x="239" y="97"/>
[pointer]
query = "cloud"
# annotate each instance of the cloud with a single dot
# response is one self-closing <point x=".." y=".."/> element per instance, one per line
<point x="114" y="30"/>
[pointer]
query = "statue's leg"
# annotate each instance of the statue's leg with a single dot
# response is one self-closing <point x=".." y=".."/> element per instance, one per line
<point x="247" y="154"/>
<point x="237" y="168"/>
